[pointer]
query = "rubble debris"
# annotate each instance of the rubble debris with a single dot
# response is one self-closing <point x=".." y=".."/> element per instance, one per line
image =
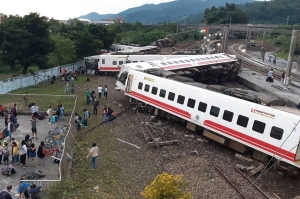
<point x="243" y="157"/>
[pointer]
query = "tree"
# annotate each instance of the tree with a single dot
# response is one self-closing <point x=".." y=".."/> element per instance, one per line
<point x="12" y="41"/>
<point x="64" y="47"/>
<point x="167" y="186"/>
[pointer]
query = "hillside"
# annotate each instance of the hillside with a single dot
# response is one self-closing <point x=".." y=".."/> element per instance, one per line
<point x="174" y="11"/>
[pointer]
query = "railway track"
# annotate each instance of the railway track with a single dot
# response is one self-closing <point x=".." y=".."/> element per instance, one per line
<point x="258" y="66"/>
<point x="243" y="187"/>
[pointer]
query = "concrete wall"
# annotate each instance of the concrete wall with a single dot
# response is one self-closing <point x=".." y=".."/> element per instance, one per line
<point x="30" y="80"/>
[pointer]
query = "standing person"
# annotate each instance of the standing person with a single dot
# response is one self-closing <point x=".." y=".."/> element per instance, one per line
<point x="87" y="93"/>
<point x="72" y="90"/>
<point x="93" y="152"/>
<point x="15" y="153"/>
<point x="2" y="109"/>
<point x="6" y="116"/>
<point x="78" y="121"/>
<point x="32" y="153"/>
<point x="49" y="112"/>
<point x="274" y="60"/>
<point x="104" y="112"/>
<point x="34" y="191"/>
<point x="41" y="153"/>
<point x="33" y="127"/>
<point x="5" y="153"/>
<point x="270" y="59"/>
<point x="282" y="77"/>
<point x="96" y="104"/>
<point x="92" y="94"/>
<point x="85" y="118"/>
<point x="14" y="110"/>
<point x="105" y="92"/>
<point x="99" y="91"/>
<point x="1" y="153"/>
<point x="67" y="87"/>
<point x="10" y="128"/>
<point x="87" y="78"/>
<point x="34" y="110"/>
<point x="22" y="152"/>
<point x="62" y="113"/>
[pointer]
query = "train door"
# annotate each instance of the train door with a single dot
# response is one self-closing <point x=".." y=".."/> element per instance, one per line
<point x="129" y="83"/>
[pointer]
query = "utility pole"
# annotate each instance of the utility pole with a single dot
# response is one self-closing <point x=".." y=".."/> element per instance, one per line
<point x="287" y="20"/>
<point x="263" y="42"/>
<point x="230" y="21"/>
<point x="295" y="34"/>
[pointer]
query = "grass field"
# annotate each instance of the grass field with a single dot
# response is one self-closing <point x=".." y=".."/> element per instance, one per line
<point x="110" y="176"/>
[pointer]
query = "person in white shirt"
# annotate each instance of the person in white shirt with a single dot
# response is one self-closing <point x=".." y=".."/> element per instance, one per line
<point x="22" y="153"/>
<point x="270" y="76"/>
<point x="100" y="91"/>
<point x="93" y="152"/>
<point x="49" y="112"/>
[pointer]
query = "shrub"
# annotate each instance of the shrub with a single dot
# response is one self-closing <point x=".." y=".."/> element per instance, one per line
<point x="167" y="186"/>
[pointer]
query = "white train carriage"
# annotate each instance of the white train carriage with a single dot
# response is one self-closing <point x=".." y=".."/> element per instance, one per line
<point x="272" y="131"/>
<point x="113" y="63"/>
<point x="120" y="47"/>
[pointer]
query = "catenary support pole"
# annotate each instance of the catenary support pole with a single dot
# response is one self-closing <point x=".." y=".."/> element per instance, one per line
<point x="295" y="34"/>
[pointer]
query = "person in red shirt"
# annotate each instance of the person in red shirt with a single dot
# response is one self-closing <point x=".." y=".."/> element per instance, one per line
<point x="2" y="110"/>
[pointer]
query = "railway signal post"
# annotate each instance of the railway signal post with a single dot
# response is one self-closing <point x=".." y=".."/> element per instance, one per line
<point x="295" y="35"/>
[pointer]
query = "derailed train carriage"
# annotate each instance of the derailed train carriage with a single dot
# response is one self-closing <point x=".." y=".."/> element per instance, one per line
<point x="240" y="119"/>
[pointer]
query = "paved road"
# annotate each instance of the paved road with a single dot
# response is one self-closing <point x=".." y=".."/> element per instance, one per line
<point x="50" y="169"/>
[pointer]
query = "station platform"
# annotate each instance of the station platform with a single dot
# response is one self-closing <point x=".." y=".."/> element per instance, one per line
<point x="257" y="82"/>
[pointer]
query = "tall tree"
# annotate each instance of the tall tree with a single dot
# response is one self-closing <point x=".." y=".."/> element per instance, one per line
<point x="39" y="45"/>
<point x="64" y="47"/>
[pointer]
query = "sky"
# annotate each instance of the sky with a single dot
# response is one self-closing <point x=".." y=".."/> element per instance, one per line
<point x="65" y="9"/>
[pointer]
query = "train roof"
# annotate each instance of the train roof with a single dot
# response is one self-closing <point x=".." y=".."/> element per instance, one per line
<point x="183" y="62"/>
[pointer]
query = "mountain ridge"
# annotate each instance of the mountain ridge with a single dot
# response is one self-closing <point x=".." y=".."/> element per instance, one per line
<point x="163" y="12"/>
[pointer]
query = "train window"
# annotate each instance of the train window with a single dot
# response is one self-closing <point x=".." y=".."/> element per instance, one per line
<point x="171" y="96"/>
<point x="202" y="107"/>
<point x="114" y="62"/>
<point x="163" y="63"/>
<point x="142" y="61"/>
<point x="191" y="103"/>
<point x="187" y="60"/>
<point x="180" y="99"/>
<point x="135" y="61"/>
<point x="214" y="111"/>
<point x="258" y="126"/>
<point x="202" y="59"/>
<point x="192" y="60"/>
<point x="242" y="121"/>
<point x="176" y="62"/>
<point x="121" y="62"/>
<point x="154" y="90"/>
<point x="162" y="93"/>
<point x="147" y="88"/>
<point x="227" y="115"/>
<point x="276" y="133"/>
<point x="181" y="61"/>
<point x="198" y="59"/>
<point x="128" y="61"/>
<point x="140" y="85"/>
<point x="169" y="62"/>
<point x="103" y="61"/>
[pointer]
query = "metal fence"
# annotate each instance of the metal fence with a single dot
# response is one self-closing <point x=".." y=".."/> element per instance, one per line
<point x="30" y="80"/>
<point x="65" y="162"/>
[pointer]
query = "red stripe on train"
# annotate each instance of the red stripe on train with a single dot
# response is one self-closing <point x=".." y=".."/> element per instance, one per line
<point x="162" y="105"/>
<point x="253" y="141"/>
<point x="233" y="133"/>
<point x="116" y="68"/>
